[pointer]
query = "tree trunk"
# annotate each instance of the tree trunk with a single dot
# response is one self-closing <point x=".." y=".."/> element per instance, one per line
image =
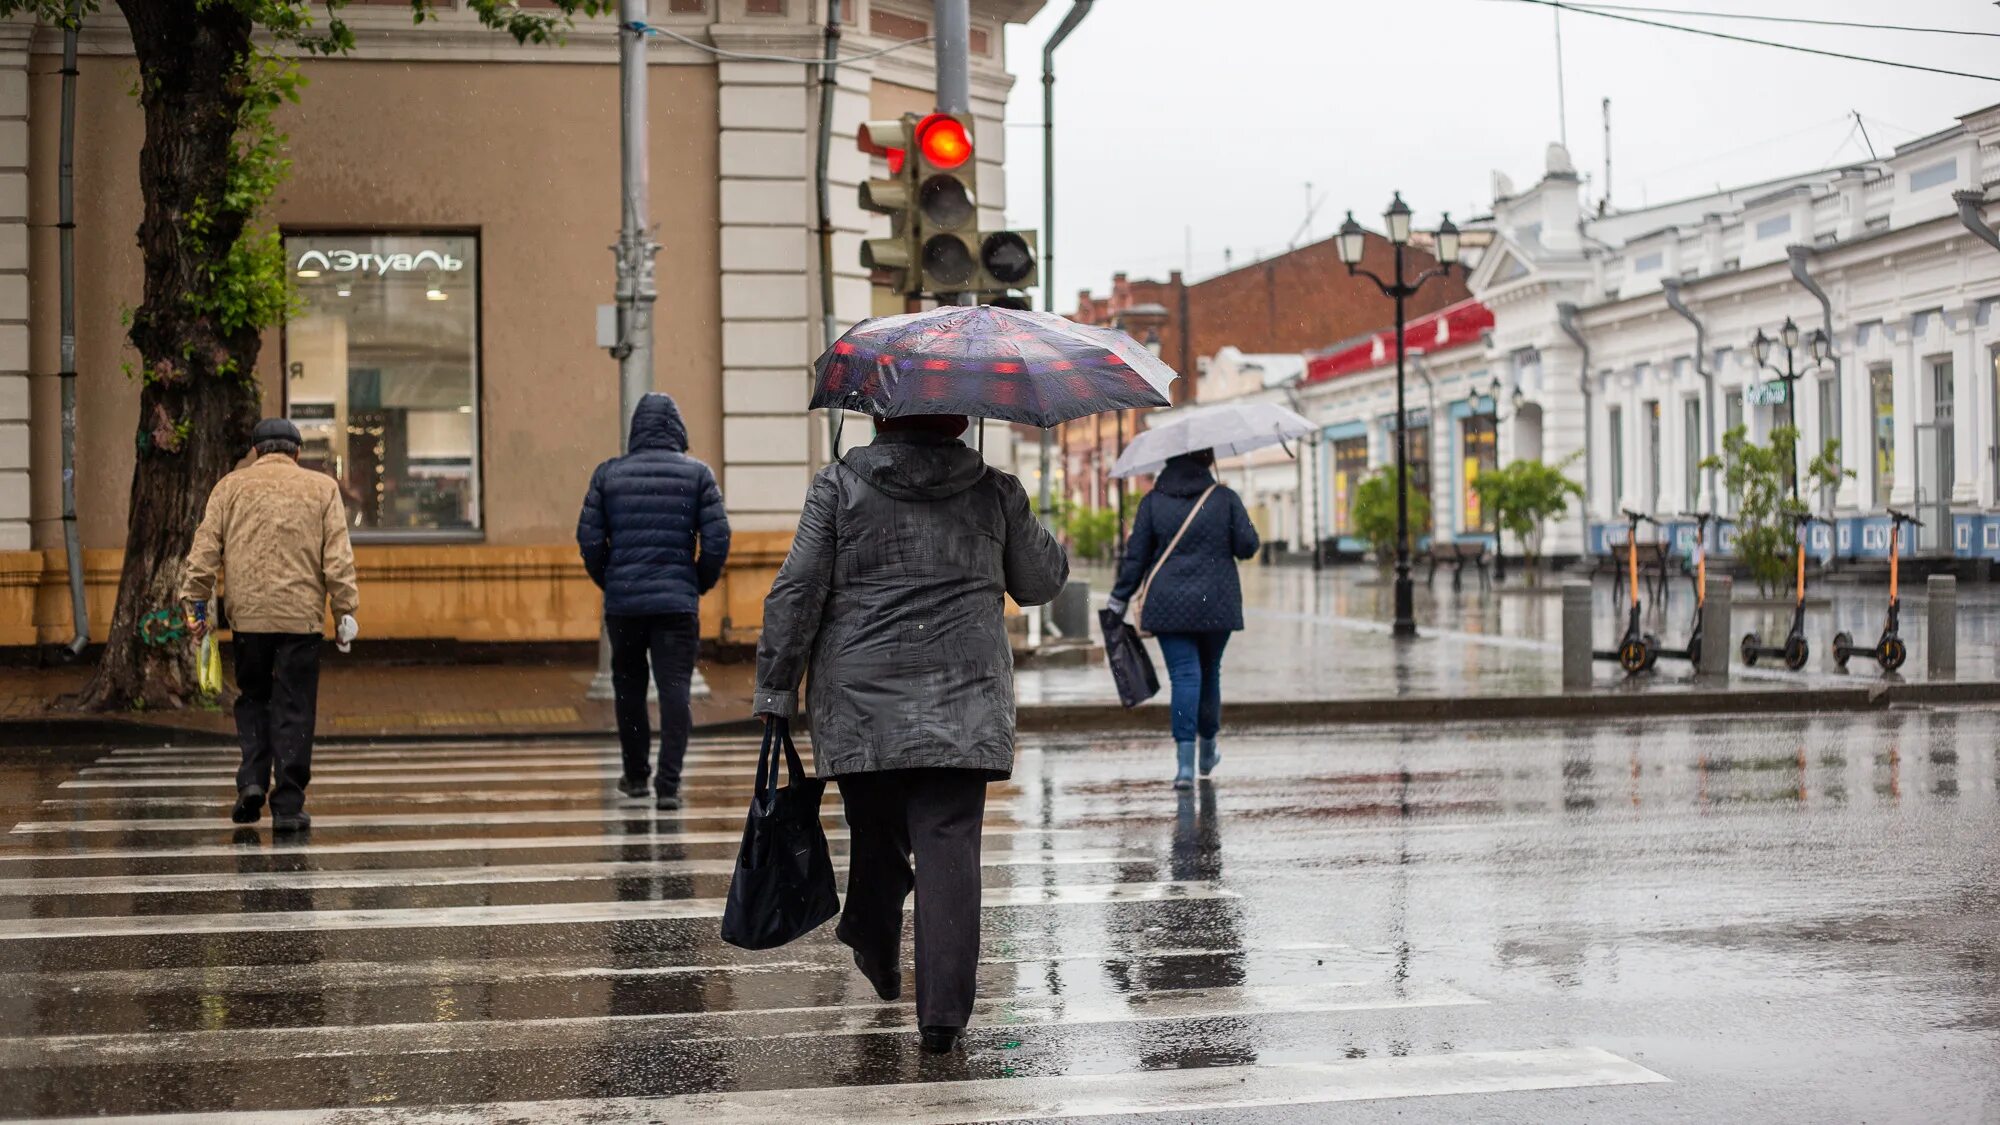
<point x="200" y="397"/>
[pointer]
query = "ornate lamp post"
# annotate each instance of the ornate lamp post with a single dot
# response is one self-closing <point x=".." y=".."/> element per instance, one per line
<point x="1760" y="349"/>
<point x="1352" y="241"/>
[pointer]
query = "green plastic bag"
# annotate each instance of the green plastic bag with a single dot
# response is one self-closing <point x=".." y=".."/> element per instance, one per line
<point x="208" y="663"/>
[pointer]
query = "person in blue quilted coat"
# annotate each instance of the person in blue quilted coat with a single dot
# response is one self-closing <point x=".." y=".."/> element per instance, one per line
<point x="654" y="537"/>
<point x="1194" y="601"/>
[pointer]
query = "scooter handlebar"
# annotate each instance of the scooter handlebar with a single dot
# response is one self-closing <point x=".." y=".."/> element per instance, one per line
<point x="1639" y="517"/>
<point x="1904" y="517"/>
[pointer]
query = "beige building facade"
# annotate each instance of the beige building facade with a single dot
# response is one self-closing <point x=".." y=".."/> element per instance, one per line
<point x="447" y="221"/>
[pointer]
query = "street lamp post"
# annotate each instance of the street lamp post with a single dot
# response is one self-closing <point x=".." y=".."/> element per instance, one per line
<point x="1517" y="400"/>
<point x="1788" y="336"/>
<point x="1352" y="241"/>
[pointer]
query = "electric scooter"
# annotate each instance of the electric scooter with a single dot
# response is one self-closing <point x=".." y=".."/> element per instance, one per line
<point x="1889" y="651"/>
<point x="1637" y="650"/>
<point x="1692" y="653"/>
<point x="1795" y="650"/>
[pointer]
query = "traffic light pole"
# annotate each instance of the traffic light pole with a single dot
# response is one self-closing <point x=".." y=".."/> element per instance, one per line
<point x="634" y="252"/>
<point x="952" y="21"/>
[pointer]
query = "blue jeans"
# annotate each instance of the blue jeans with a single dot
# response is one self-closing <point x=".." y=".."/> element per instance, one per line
<point x="1194" y="663"/>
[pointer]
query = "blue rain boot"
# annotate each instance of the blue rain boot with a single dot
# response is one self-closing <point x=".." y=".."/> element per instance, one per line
<point x="1184" y="757"/>
<point x="1210" y="756"/>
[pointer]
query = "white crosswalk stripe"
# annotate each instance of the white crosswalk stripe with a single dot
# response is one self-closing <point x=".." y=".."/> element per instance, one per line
<point x="423" y="893"/>
<point x="1190" y="1094"/>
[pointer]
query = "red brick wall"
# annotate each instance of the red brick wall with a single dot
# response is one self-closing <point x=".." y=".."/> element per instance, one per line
<point x="1296" y="302"/>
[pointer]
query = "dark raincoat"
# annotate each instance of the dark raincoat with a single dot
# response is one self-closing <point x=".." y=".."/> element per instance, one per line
<point x="1197" y="591"/>
<point x="893" y="598"/>
<point x="653" y="532"/>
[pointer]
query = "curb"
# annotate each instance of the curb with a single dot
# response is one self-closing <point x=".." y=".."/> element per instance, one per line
<point x="1062" y="718"/>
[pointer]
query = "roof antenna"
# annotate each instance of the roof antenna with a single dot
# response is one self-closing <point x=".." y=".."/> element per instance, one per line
<point x="1604" y="201"/>
<point x="1863" y="126"/>
<point x="1562" y="99"/>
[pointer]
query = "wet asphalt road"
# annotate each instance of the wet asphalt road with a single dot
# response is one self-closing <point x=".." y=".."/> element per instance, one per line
<point x="1734" y="919"/>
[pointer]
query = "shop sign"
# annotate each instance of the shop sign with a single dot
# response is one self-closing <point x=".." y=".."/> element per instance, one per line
<point x="1765" y="394"/>
<point x="381" y="265"/>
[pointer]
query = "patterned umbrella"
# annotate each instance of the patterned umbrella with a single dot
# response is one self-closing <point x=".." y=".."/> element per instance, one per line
<point x="1031" y="367"/>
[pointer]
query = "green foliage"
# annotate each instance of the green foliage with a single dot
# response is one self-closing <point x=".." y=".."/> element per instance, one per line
<point x="1760" y="478"/>
<point x="1524" y="496"/>
<point x="1093" y="532"/>
<point x="1375" y="512"/>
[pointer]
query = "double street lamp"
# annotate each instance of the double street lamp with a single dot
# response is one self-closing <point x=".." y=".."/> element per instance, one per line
<point x="1352" y="241"/>
<point x="1788" y="336"/>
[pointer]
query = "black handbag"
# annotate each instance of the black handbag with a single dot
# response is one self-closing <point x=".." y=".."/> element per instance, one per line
<point x="1131" y="667"/>
<point x="783" y="886"/>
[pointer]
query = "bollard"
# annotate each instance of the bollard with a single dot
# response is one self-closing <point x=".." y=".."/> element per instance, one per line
<point x="1716" y="638"/>
<point x="1071" y="610"/>
<point x="1941" y="633"/>
<point x="1576" y="635"/>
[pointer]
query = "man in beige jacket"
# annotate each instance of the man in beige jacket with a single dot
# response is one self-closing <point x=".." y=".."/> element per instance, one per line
<point x="280" y="531"/>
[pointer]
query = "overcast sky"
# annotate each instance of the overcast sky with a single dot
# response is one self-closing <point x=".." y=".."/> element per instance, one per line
<point x="1203" y="120"/>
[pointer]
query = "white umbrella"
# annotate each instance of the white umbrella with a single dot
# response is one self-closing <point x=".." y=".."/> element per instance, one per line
<point x="1229" y="429"/>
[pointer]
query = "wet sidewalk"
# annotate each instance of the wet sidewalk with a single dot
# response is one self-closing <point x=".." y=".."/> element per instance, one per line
<point x="1311" y="639"/>
<point x="1326" y="636"/>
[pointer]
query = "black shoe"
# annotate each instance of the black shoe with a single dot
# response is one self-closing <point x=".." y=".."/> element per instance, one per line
<point x="888" y="985"/>
<point x="667" y="802"/>
<point x="940" y="1040"/>
<point x="291" y="822"/>
<point x="635" y="787"/>
<point x="249" y="806"/>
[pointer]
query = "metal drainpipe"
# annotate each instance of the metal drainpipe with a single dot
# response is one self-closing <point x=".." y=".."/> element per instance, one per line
<point x="1801" y="257"/>
<point x="1566" y="319"/>
<point x="1672" y="288"/>
<point x="79" y="608"/>
<point x="827" y="89"/>
<point x="1074" y="16"/>
<point x="1972" y="212"/>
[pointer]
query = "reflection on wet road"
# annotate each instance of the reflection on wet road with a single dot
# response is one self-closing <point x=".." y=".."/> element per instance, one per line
<point x="1792" y="920"/>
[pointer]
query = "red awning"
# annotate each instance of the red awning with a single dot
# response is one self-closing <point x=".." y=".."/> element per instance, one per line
<point x="1450" y="327"/>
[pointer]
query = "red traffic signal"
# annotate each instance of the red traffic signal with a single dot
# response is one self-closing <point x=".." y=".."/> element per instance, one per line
<point x="943" y="141"/>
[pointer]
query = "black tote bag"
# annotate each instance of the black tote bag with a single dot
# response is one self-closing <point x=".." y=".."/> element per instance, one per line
<point x="1131" y="667"/>
<point x="783" y="886"/>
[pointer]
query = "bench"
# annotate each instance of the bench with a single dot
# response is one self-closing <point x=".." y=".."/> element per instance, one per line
<point x="1458" y="553"/>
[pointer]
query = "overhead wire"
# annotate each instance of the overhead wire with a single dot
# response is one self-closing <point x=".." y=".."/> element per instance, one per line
<point x="1706" y="14"/>
<point x="1562" y="5"/>
<point x="745" y="56"/>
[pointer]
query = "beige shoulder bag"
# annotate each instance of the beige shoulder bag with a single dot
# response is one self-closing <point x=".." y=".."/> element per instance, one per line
<point x="1135" y="613"/>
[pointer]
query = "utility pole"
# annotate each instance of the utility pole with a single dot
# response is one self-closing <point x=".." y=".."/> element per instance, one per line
<point x="1078" y="10"/>
<point x="634" y="252"/>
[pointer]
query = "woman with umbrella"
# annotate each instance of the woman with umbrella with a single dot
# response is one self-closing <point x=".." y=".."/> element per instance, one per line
<point x="892" y="602"/>
<point x="1179" y="571"/>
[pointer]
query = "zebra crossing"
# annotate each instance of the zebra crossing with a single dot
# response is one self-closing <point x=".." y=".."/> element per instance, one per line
<point x="526" y="945"/>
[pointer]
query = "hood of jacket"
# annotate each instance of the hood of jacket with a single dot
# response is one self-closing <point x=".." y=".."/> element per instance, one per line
<point x="657" y="425"/>
<point x="1183" y="476"/>
<point x="917" y="466"/>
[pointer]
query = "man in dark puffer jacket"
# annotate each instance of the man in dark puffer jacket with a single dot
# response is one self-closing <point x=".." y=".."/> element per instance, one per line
<point x="654" y="537"/>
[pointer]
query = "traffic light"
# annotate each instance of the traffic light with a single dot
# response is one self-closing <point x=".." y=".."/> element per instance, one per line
<point x="935" y="245"/>
<point x="888" y="260"/>
<point x="947" y="202"/>
<point x="1008" y="260"/>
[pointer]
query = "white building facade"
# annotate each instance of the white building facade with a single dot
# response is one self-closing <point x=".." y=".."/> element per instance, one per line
<point x="1624" y="340"/>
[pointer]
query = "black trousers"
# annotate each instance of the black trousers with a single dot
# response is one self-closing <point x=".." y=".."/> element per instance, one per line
<point x="277" y="678"/>
<point x="671" y="640"/>
<point x="935" y="815"/>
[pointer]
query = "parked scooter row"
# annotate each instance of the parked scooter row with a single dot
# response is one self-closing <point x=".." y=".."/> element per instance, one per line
<point x="1639" y="651"/>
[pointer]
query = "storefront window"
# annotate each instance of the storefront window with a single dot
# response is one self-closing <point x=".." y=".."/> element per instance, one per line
<point x="1481" y="455"/>
<point x="382" y="375"/>
<point x="1691" y="456"/>
<point x="1350" y="468"/>
<point x="1882" y="400"/>
<point x="1616" y="426"/>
